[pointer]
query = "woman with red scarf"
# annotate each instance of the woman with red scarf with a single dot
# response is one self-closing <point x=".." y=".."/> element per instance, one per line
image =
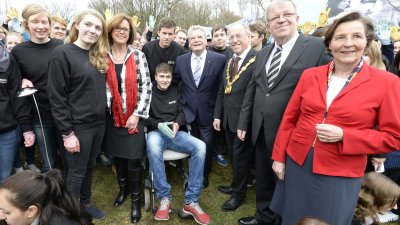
<point x="128" y="101"/>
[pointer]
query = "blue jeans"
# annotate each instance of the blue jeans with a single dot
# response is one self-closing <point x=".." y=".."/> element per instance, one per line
<point x="9" y="144"/>
<point x="182" y="142"/>
<point x="50" y="130"/>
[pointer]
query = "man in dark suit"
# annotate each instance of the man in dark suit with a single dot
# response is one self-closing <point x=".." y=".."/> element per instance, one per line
<point x="236" y="77"/>
<point x="278" y="69"/>
<point x="199" y="73"/>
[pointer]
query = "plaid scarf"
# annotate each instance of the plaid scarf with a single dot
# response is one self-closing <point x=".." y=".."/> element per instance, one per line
<point x="4" y="58"/>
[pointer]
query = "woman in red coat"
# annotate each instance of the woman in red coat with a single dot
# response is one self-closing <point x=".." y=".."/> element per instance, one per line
<point x="338" y="114"/>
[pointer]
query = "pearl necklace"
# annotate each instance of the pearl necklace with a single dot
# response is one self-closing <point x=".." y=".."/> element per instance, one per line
<point x="117" y="59"/>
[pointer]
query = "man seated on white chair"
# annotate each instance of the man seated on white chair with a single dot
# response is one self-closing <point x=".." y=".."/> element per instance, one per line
<point x="165" y="119"/>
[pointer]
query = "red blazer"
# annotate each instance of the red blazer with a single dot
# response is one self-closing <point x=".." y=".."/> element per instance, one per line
<point x="372" y="99"/>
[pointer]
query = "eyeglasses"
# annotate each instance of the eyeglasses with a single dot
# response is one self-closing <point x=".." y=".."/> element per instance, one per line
<point x="286" y="16"/>
<point x="123" y="29"/>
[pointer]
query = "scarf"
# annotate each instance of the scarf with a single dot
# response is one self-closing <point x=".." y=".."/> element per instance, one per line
<point x="4" y="58"/>
<point x="121" y="117"/>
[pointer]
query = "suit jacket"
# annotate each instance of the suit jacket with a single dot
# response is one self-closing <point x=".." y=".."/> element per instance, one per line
<point x="228" y="106"/>
<point x="370" y="100"/>
<point x="270" y="103"/>
<point x="199" y="100"/>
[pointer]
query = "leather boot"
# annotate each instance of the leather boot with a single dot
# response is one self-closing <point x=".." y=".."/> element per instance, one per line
<point x="122" y="177"/>
<point x="135" y="182"/>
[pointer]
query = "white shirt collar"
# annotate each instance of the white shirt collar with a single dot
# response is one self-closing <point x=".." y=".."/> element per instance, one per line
<point x="202" y="56"/>
<point x="291" y="41"/>
<point x="244" y="54"/>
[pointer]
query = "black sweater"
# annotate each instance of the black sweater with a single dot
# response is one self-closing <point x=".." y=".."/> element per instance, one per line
<point x="156" y="55"/>
<point x="164" y="107"/>
<point x="77" y="90"/>
<point x="33" y="61"/>
<point x="227" y="52"/>
<point x="12" y="108"/>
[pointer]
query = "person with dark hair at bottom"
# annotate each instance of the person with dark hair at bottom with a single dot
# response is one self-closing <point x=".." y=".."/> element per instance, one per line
<point x="31" y="198"/>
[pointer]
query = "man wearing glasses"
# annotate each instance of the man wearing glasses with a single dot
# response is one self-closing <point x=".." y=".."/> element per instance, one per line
<point x="277" y="70"/>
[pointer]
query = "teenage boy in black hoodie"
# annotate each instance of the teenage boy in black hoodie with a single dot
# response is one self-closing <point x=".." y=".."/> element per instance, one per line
<point x="165" y="113"/>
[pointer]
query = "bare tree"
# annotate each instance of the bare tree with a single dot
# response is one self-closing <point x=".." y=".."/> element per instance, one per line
<point x="66" y="9"/>
<point x="256" y="7"/>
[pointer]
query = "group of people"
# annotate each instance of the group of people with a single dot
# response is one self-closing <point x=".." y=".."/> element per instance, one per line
<point x="306" y="112"/>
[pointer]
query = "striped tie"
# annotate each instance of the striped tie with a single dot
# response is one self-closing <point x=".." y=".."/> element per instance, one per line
<point x="273" y="70"/>
<point x="197" y="71"/>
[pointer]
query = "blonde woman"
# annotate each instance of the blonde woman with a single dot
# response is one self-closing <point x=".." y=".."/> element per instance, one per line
<point x="78" y="100"/>
<point x="33" y="58"/>
<point x="373" y="56"/>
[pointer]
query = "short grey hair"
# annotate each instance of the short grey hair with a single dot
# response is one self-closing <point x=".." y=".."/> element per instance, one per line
<point x="245" y="27"/>
<point x="196" y="27"/>
<point x="274" y="2"/>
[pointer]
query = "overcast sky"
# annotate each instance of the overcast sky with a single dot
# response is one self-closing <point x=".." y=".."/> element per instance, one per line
<point x="308" y="10"/>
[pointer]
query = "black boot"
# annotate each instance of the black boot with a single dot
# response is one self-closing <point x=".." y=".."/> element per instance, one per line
<point x="122" y="176"/>
<point x="135" y="181"/>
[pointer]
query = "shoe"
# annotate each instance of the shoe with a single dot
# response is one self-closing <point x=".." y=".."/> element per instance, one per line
<point x="135" y="181"/>
<point x="18" y="170"/>
<point x="231" y="204"/>
<point x="33" y="167"/>
<point x="225" y="189"/>
<point x="205" y="182"/>
<point x="105" y="161"/>
<point x="194" y="209"/>
<point x="249" y="221"/>
<point x="387" y="217"/>
<point x="123" y="192"/>
<point x="95" y="212"/>
<point x="163" y="210"/>
<point x="220" y="160"/>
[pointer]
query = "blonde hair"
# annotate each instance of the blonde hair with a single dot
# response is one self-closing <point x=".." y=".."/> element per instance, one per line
<point x="377" y="192"/>
<point x="373" y="51"/>
<point x="31" y="10"/>
<point x="98" y="50"/>
<point x="58" y="19"/>
<point x="16" y="34"/>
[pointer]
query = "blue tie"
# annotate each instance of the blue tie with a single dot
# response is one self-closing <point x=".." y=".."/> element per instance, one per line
<point x="197" y="71"/>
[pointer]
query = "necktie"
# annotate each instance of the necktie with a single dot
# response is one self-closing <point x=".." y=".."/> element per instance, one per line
<point x="273" y="70"/>
<point x="235" y="67"/>
<point x="197" y="71"/>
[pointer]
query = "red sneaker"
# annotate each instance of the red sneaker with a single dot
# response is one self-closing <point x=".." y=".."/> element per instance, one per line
<point x="198" y="214"/>
<point x="163" y="209"/>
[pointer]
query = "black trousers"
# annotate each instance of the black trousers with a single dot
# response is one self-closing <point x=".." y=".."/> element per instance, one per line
<point x="80" y="164"/>
<point x="206" y="134"/>
<point x="241" y="153"/>
<point x="265" y="182"/>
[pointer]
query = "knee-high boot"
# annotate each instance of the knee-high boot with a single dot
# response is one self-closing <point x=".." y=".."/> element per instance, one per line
<point x="122" y="176"/>
<point x="135" y="183"/>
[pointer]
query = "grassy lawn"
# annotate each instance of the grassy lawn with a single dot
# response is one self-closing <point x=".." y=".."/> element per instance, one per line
<point x="105" y="189"/>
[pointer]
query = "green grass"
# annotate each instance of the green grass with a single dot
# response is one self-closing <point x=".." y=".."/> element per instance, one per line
<point x="105" y="189"/>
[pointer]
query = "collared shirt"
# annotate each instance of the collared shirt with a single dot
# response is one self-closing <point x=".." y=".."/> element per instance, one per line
<point x="193" y="61"/>
<point x="242" y="56"/>
<point x="286" y="48"/>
